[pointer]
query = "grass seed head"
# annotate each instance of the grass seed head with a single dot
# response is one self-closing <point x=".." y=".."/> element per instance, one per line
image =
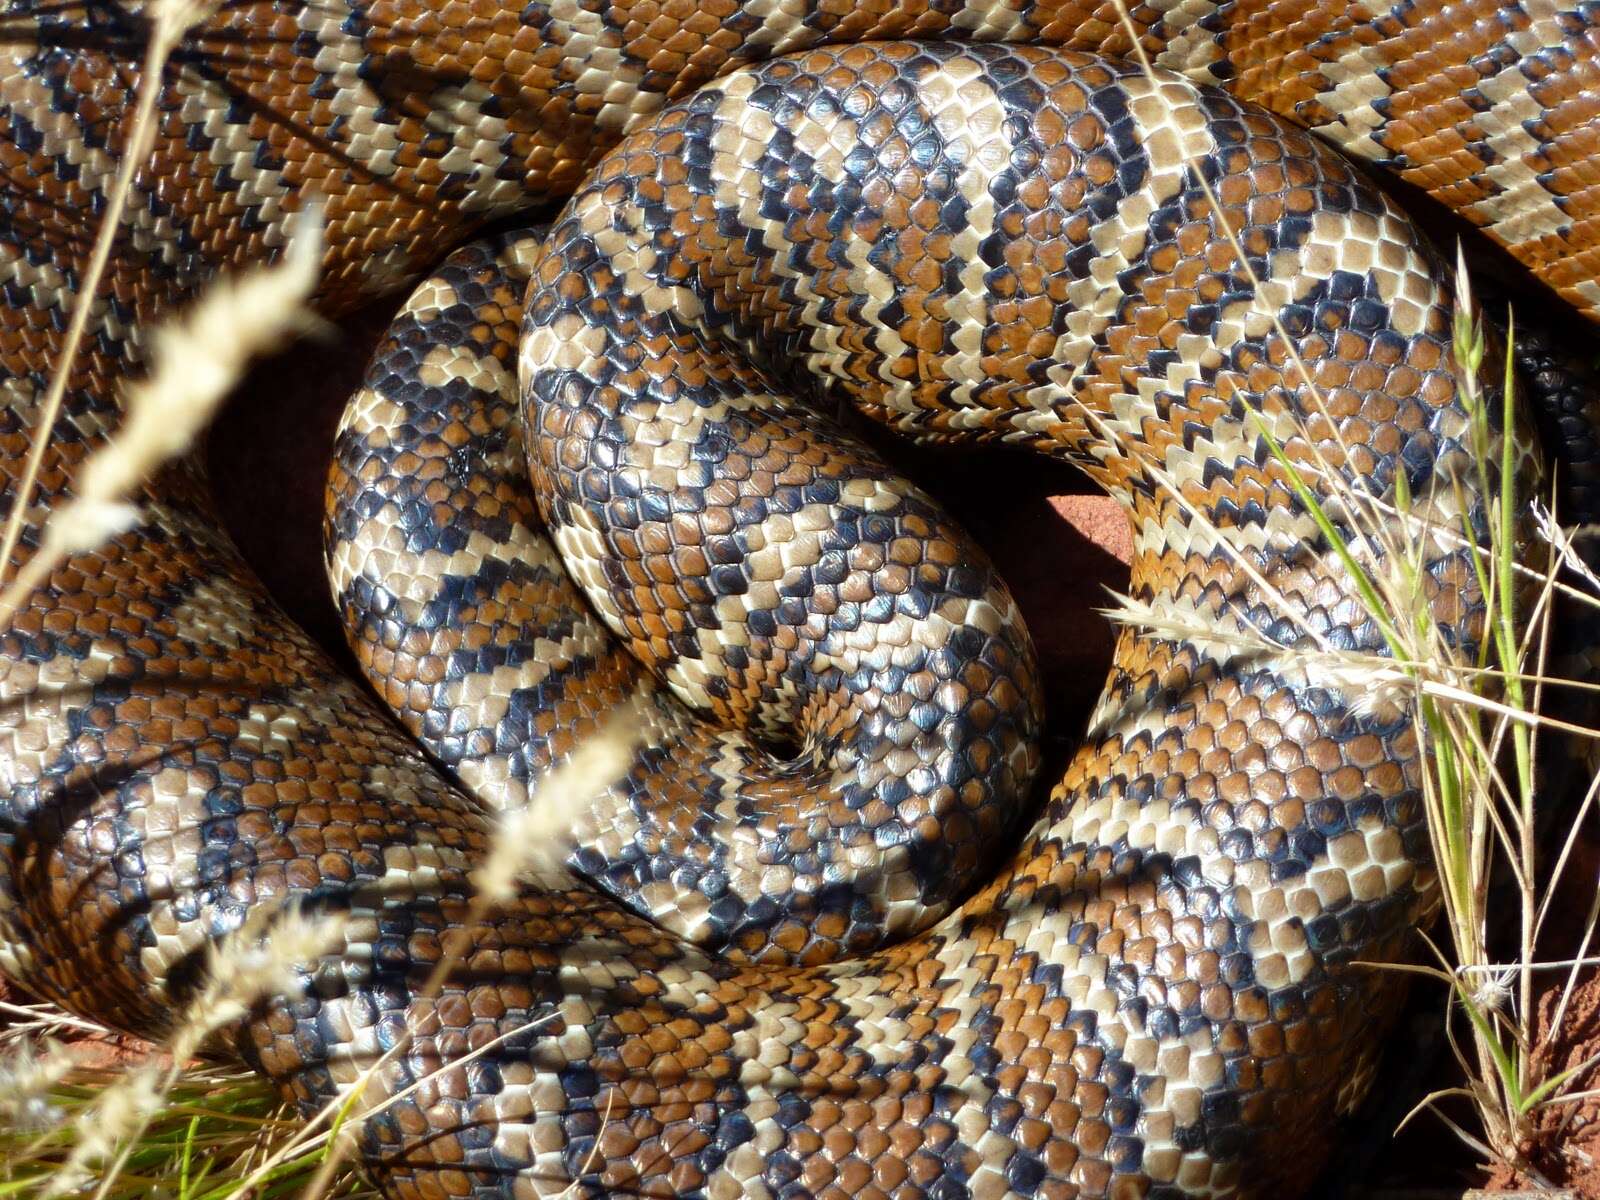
<point x="121" y="1111"/>
<point x="266" y="957"/>
<point x="27" y="1073"/>
<point x="538" y="836"/>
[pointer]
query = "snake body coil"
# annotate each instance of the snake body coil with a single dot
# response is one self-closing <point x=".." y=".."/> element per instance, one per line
<point x="772" y="975"/>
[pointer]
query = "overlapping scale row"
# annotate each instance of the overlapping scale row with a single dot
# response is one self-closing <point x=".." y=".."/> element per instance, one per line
<point x="914" y="745"/>
<point x="1172" y="946"/>
<point x="1154" y="995"/>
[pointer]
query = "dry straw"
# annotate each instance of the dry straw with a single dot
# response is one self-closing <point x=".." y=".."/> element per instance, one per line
<point x="29" y="1070"/>
<point x="196" y="361"/>
<point x="169" y="21"/>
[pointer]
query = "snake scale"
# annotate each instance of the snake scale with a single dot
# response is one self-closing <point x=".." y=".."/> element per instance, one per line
<point x="816" y="943"/>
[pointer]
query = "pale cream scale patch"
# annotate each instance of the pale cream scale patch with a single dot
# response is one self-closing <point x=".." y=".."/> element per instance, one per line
<point x="1524" y="209"/>
<point x="970" y="118"/>
<point x="1174" y="132"/>
<point x="172" y="811"/>
<point x="986" y="21"/>
<point x="482" y="372"/>
<point x="377" y="551"/>
<point x="582" y="547"/>
<point x="1358" y="88"/>
<point x="1281" y="532"/>
<point x="741" y="136"/>
<point x="342" y="57"/>
<point x="213" y="615"/>
<point x="602" y="69"/>
<point x="33" y="731"/>
<point x="568" y="344"/>
<point x="1187" y="48"/>
<point x="782" y="27"/>
<point x="375" y="417"/>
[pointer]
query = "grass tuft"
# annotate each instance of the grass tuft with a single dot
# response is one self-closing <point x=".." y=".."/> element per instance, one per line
<point x="206" y="1139"/>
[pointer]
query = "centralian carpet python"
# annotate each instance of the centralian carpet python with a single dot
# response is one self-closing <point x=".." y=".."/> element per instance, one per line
<point x="817" y="942"/>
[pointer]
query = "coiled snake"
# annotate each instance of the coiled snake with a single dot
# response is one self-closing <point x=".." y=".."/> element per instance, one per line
<point x="803" y="971"/>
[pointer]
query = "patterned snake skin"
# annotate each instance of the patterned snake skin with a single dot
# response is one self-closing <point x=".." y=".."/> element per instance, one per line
<point x="817" y="943"/>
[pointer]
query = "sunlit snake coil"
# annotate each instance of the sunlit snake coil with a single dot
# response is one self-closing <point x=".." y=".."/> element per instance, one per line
<point x="826" y="937"/>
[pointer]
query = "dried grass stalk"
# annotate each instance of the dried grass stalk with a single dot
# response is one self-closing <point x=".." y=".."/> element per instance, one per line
<point x="197" y="358"/>
<point x="169" y="21"/>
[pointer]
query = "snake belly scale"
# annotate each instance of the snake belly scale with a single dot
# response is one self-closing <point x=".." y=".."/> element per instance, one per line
<point x="796" y="988"/>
